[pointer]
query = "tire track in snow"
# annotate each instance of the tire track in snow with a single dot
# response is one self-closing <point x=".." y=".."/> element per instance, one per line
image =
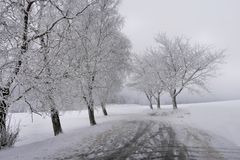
<point x="143" y="140"/>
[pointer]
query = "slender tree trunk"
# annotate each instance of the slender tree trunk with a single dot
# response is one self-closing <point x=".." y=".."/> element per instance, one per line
<point x="90" y="102"/>
<point x="57" y="128"/>
<point x="158" y="102"/>
<point x="174" y="102"/>
<point x="4" y="92"/>
<point x="103" y="105"/>
<point x="174" y="99"/>
<point x="56" y="123"/>
<point x="150" y="104"/>
<point x="24" y="45"/>
<point x="3" y="114"/>
<point x="149" y="97"/>
<point x="91" y="115"/>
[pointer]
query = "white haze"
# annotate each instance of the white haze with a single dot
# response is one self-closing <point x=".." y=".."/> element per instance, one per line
<point x="214" y="22"/>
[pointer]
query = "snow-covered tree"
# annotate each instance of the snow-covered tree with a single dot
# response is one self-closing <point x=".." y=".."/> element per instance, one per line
<point x="182" y="65"/>
<point x="112" y="75"/>
<point x="98" y="46"/>
<point x="107" y="87"/>
<point x="145" y="79"/>
<point x="25" y="27"/>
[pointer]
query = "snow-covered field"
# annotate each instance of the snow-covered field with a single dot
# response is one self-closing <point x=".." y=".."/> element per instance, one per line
<point x="220" y="119"/>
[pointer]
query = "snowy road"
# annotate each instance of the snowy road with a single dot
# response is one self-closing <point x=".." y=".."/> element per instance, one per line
<point x="143" y="140"/>
<point x="136" y="140"/>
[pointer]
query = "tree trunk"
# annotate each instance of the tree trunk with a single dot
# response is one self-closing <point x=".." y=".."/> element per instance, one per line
<point x="90" y="106"/>
<point x="158" y="103"/>
<point x="174" y="102"/>
<point x="174" y="98"/>
<point x="150" y="104"/>
<point x="3" y="109"/>
<point x="91" y="116"/>
<point x="90" y="102"/>
<point x="3" y="114"/>
<point x="149" y="97"/>
<point x="103" y="105"/>
<point x="57" y="128"/>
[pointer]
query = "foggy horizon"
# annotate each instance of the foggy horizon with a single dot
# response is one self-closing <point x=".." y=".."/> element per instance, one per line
<point x="214" y="23"/>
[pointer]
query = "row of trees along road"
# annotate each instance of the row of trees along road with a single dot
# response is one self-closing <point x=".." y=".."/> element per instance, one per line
<point x="57" y="48"/>
<point x="174" y="65"/>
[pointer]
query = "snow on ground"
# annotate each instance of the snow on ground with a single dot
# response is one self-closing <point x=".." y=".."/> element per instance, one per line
<point x="41" y="127"/>
<point x="218" y="118"/>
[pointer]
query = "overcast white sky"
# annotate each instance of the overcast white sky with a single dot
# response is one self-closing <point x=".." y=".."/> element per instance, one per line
<point x="215" y="22"/>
